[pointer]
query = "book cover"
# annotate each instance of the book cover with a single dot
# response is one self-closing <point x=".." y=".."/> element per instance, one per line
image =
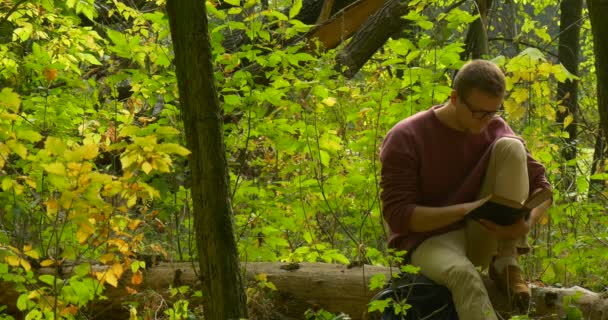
<point x="504" y="212"/>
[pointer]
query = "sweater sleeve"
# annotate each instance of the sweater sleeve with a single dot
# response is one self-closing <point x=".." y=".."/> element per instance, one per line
<point x="536" y="174"/>
<point x="399" y="181"/>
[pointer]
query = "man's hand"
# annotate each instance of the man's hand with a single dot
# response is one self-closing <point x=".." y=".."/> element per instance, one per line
<point x="470" y="206"/>
<point x="520" y="228"/>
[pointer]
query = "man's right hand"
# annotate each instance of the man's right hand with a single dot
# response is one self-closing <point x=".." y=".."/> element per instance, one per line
<point x="470" y="206"/>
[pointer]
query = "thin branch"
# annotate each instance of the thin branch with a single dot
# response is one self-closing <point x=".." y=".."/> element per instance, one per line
<point x="11" y="11"/>
<point x="516" y="41"/>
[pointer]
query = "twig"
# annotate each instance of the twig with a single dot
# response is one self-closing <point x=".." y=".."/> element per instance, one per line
<point x="11" y="11"/>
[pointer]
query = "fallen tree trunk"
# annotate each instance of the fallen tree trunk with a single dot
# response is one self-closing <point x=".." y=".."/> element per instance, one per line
<point x="335" y="288"/>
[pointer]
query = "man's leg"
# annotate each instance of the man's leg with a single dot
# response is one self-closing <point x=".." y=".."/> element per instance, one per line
<point x="507" y="176"/>
<point x="443" y="259"/>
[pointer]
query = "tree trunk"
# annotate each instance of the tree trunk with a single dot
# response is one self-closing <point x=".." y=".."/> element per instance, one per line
<point x="570" y="26"/>
<point x="335" y="288"/>
<point x="599" y="27"/>
<point x="223" y="293"/>
<point x="476" y="41"/>
<point x="345" y="23"/>
<point x="371" y="36"/>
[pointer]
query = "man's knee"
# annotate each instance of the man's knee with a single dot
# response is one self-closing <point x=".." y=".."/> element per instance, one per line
<point x="510" y="147"/>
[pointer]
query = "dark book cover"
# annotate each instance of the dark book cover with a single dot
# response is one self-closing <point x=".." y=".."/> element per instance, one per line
<point x="506" y="212"/>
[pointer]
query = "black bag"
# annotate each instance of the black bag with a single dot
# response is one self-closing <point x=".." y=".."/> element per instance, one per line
<point x="428" y="300"/>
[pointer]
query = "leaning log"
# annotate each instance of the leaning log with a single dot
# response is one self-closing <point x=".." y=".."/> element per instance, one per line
<point x="371" y="36"/>
<point x="335" y="288"/>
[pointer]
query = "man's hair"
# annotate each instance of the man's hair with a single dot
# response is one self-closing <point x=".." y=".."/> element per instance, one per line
<point x="479" y="74"/>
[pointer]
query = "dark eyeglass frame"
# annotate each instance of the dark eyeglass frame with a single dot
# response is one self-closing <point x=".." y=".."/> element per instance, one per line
<point x="481" y="114"/>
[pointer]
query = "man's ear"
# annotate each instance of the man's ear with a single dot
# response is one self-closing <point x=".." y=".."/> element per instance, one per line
<point x="453" y="97"/>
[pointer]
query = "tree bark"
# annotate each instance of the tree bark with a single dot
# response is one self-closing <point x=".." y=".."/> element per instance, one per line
<point x="476" y="41"/>
<point x="568" y="55"/>
<point x="335" y="288"/>
<point x="599" y="28"/>
<point x="223" y="293"/>
<point x="371" y="36"/>
<point x="345" y="23"/>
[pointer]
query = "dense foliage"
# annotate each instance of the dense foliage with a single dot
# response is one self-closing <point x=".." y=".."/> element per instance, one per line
<point x="93" y="168"/>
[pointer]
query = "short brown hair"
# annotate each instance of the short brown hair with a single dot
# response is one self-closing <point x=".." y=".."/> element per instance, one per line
<point x="480" y="74"/>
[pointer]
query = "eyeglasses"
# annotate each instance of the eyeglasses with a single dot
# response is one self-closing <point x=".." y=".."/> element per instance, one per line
<point x="481" y="114"/>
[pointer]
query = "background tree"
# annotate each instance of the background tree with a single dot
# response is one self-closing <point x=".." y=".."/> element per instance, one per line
<point x="220" y="274"/>
<point x="567" y="91"/>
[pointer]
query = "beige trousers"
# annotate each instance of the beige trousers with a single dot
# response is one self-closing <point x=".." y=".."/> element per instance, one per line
<point x="450" y="259"/>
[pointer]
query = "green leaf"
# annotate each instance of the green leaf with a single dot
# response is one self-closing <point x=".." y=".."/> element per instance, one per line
<point x="29" y="135"/>
<point x="295" y="9"/>
<point x="307" y="236"/>
<point x="54" y="146"/>
<point x="233" y="2"/>
<point x="90" y="59"/>
<point x="232" y="99"/>
<point x="377" y="281"/>
<point x="410" y="269"/>
<point x="10" y="99"/>
<point x="82" y="269"/>
<point x="3" y="268"/>
<point x="48" y="279"/>
<point x="379" y="305"/>
<point x="56" y="168"/>
<point x="324" y="157"/>
<point x="22" y="301"/>
<point x="118" y="38"/>
<point x="173" y="148"/>
<point x="7" y="183"/>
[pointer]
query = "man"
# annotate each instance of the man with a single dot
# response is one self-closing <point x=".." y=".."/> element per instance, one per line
<point x="435" y="164"/>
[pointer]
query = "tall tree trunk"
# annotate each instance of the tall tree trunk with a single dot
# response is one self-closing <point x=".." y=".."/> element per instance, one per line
<point x="220" y="275"/>
<point x="476" y="41"/>
<point x="570" y="26"/>
<point x="599" y="28"/>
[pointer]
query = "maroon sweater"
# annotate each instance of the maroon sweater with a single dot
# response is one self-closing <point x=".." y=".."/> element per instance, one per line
<point x="427" y="163"/>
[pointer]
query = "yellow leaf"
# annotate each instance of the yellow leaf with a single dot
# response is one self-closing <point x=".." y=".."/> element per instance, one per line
<point x="146" y="167"/>
<point x="133" y="224"/>
<point x="25" y="264"/>
<point x="544" y="220"/>
<point x="107" y="258"/>
<point x="329" y="101"/>
<point x="117" y="269"/>
<point x="55" y="145"/>
<point x="262" y="277"/>
<point x="34" y="294"/>
<point x="100" y="277"/>
<point x="32" y="253"/>
<point x="52" y="206"/>
<point x="47" y="263"/>
<point x="111" y="279"/>
<point x="10" y="99"/>
<point x="55" y="168"/>
<point x="90" y="151"/>
<point x="12" y="260"/>
<point x="568" y="120"/>
<point x="122" y="246"/>
<point x="85" y="230"/>
<point x="520" y="95"/>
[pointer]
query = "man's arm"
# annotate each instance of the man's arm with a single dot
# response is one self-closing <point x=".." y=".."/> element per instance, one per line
<point x="537" y="213"/>
<point x="431" y="218"/>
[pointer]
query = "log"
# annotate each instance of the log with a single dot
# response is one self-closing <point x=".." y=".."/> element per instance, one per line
<point x="335" y="288"/>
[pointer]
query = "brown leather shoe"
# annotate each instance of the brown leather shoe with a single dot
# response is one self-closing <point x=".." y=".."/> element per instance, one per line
<point x="512" y="283"/>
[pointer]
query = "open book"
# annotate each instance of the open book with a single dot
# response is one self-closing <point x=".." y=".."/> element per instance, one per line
<point x="504" y="211"/>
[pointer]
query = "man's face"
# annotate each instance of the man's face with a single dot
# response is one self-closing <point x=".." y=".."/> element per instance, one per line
<point x="478" y="109"/>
